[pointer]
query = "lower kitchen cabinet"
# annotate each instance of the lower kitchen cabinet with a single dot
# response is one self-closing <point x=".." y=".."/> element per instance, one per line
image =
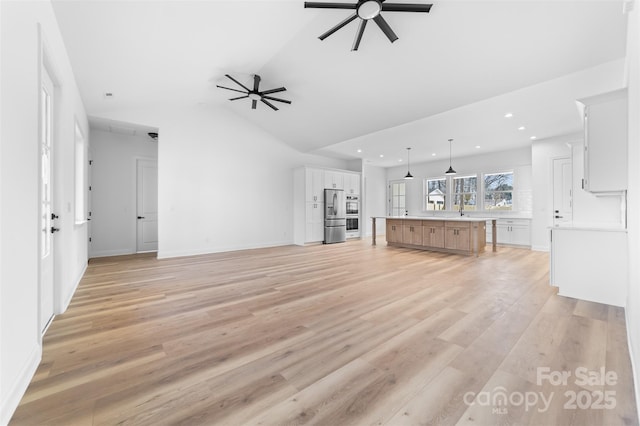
<point x="412" y="232"/>
<point x="394" y="231"/>
<point x="515" y="232"/>
<point x="457" y="236"/>
<point x="461" y="236"/>
<point x="433" y="234"/>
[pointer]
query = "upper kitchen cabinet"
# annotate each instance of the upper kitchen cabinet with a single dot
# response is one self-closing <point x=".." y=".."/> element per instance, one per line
<point x="333" y="179"/>
<point x="605" y="142"/>
<point x="352" y="183"/>
<point x="314" y="185"/>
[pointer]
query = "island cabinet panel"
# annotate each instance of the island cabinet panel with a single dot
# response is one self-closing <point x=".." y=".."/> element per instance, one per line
<point x="433" y="233"/>
<point x="457" y="236"/>
<point x="412" y="232"/>
<point x="394" y="231"/>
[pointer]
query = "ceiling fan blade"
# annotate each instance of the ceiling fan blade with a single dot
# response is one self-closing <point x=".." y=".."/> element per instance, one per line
<point x="256" y="82"/>
<point x="276" y="99"/>
<point x="406" y="7"/>
<point x="386" y="29"/>
<point x="337" y="27"/>
<point x="279" y="89"/>
<point x="229" y="88"/>
<point x="269" y="103"/>
<point x="317" y="5"/>
<point x="237" y="82"/>
<point x="239" y="97"/>
<point x="254" y="104"/>
<point x="361" y="27"/>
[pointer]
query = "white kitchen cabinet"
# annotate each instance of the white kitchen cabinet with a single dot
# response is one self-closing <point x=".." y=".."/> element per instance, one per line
<point x="352" y="183"/>
<point x="314" y="223"/>
<point x="605" y="142"/>
<point x="309" y="184"/>
<point x="314" y="185"/>
<point x="333" y="179"/>
<point x="590" y="264"/>
<point x="515" y="232"/>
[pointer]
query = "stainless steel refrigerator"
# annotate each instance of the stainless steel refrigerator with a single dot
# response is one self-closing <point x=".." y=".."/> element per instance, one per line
<point x="335" y="217"/>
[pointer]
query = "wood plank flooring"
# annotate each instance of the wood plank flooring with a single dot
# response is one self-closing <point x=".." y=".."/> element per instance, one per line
<point x="344" y="334"/>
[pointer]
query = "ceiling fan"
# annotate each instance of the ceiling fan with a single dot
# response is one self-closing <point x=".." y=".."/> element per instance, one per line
<point x="368" y="10"/>
<point x="256" y="95"/>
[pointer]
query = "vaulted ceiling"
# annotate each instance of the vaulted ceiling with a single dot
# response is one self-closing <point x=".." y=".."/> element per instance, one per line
<point x="450" y="74"/>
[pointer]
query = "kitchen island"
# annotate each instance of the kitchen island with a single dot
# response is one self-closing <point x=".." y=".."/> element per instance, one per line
<point x="463" y="235"/>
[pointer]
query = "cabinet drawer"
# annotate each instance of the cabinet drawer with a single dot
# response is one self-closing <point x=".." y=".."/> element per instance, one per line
<point x="433" y="223"/>
<point x="459" y="225"/>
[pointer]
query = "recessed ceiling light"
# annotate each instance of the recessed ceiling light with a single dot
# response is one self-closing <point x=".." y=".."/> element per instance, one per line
<point x="433" y="154"/>
<point x="521" y="128"/>
<point x="381" y="156"/>
<point x="508" y="115"/>
<point x="533" y="138"/>
<point x="359" y="150"/>
<point x="477" y="146"/>
<point x="399" y="160"/>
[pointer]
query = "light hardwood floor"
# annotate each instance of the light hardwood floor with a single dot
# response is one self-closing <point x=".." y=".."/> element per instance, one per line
<point x="344" y="334"/>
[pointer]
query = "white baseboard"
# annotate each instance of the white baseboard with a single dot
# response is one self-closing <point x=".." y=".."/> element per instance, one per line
<point x="634" y="369"/>
<point x="16" y="390"/>
<point x="540" y="248"/>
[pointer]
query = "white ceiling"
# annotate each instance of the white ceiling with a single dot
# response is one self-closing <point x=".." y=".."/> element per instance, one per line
<point x="453" y="73"/>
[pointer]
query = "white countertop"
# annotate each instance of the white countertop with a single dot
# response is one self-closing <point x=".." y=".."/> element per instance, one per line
<point x="598" y="228"/>
<point x="448" y="219"/>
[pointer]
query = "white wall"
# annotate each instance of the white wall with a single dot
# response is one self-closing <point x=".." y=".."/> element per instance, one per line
<point x="518" y="160"/>
<point x="633" y="302"/>
<point x="113" y="206"/>
<point x="20" y="50"/>
<point x="223" y="184"/>
<point x="375" y="198"/>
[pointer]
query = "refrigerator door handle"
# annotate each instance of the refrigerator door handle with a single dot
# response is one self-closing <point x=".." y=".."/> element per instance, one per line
<point x="335" y="203"/>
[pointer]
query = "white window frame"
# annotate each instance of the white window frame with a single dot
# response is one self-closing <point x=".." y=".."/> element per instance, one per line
<point x="485" y="191"/>
<point x="454" y="194"/>
<point x="447" y="192"/>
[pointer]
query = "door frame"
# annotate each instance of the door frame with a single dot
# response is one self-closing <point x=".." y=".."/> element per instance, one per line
<point x="390" y="195"/>
<point x="48" y="65"/>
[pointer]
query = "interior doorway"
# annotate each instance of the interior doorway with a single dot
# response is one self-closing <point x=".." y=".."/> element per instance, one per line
<point x="147" y="205"/>
<point x="562" y="192"/>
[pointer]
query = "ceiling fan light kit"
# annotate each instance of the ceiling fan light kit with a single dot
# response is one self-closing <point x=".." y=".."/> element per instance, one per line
<point x="367" y="10"/>
<point x="255" y="94"/>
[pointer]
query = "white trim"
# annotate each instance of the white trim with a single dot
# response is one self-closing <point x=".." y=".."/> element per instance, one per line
<point x="19" y="387"/>
<point x="540" y="248"/>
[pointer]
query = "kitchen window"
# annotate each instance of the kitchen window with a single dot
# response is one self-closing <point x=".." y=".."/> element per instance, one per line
<point x="498" y="191"/>
<point x="465" y="193"/>
<point x="436" y="194"/>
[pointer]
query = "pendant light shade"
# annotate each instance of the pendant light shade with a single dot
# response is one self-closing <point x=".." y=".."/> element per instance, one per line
<point x="408" y="175"/>
<point x="450" y="171"/>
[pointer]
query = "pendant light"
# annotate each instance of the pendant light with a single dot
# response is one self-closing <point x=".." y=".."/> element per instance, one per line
<point x="450" y="171"/>
<point x="409" y="175"/>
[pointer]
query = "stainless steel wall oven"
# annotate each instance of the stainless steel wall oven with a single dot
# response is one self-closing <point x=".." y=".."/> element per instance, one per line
<point x="353" y="215"/>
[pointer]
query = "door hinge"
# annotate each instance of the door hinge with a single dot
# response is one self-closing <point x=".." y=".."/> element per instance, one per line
<point x="91" y="162"/>
<point x="89" y="187"/>
<point x="89" y="239"/>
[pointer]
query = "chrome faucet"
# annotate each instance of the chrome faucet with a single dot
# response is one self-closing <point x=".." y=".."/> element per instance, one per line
<point x="461" y="207"/>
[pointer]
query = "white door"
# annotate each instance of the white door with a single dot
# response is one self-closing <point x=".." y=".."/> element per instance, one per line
<point x="562" y="192"/>
<point x="147" y="205"/>
<point x="397" y="205"/>
<point x="47" y="215"/>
